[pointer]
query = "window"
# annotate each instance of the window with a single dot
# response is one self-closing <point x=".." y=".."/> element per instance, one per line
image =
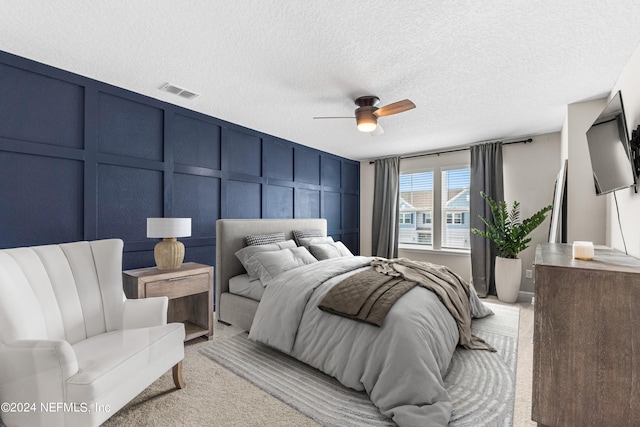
<point x="454" y="217"/>
<point x="406" y="218"/>
<point x="434" y="209"/>
<point x="416" y="206"/>
<point x="455" y="208"/>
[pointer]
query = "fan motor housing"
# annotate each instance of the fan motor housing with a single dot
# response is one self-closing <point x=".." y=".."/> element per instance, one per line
<point x="366" y="114"/>
<point x="367" y="101"/>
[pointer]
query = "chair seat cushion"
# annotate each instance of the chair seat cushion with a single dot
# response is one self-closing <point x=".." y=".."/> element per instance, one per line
<point x="109" y="360"/>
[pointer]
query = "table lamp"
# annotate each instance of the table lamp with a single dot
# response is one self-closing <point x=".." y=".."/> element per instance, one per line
<point x="169" y="253"/>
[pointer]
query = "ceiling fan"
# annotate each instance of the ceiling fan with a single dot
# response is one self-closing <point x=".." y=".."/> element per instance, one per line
<point x="367" y="113"/>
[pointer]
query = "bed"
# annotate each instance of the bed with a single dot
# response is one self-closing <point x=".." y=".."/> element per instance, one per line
<point x="399" y="364"/>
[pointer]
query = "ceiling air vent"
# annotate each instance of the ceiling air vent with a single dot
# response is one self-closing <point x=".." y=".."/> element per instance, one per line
<point x="167" y="87"/>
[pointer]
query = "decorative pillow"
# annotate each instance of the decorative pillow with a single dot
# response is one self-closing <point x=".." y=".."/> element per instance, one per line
<point x="329" y="250"/>
<point x="265" y="239"/>
<point x="248" y="251"/>
<point x="272" y="263"/>
<point x="308" y="241"/>
<point x="301" y="234"/>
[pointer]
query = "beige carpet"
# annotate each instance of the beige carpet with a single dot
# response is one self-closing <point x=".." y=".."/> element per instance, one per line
<point x="215" y="396"/>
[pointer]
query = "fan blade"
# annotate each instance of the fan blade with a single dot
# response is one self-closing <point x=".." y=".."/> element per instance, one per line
<point x="377" y="131"/>
<point x="341" y="117"/>
<point x="395" y="108"/>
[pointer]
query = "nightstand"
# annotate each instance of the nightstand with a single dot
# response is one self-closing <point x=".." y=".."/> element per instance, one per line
<point x="189" y="289"/>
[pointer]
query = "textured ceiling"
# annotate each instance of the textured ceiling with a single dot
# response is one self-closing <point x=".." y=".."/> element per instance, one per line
<point x="476" y="70"/>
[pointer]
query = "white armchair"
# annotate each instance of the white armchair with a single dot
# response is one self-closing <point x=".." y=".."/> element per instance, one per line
<point x="73" y="349"/>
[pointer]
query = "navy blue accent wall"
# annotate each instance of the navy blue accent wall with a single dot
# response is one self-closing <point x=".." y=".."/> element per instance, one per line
<point x="84" y="160"/>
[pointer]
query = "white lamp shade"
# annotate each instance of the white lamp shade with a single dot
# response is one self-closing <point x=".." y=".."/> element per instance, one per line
<point x="168" y="227"/>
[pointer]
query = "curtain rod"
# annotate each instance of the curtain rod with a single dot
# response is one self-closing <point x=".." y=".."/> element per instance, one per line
<point x="437" y="153"/>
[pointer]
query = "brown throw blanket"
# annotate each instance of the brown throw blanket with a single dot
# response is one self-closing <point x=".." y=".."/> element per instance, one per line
<point x="369" y="295"/>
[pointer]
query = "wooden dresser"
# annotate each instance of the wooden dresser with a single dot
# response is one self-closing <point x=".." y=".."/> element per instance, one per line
<point x="586" y="350"/>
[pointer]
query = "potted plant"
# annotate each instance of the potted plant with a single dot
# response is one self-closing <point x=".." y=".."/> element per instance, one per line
<point x="511" y="236"/>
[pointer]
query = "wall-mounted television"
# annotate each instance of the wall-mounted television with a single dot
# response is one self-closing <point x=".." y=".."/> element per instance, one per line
<point x="608" y="142"/>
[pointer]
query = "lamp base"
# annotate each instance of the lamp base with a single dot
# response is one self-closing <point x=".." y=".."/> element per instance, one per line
<point x="169" y="254"/>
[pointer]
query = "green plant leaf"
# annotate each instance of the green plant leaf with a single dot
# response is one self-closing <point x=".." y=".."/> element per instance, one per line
<point x="505" y="229"/>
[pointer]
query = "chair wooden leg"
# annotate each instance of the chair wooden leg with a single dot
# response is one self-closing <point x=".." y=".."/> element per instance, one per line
<point x="177" y="375"/>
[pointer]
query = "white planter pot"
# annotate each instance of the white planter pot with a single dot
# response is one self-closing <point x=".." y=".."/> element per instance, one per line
<point x="508" y="276"/>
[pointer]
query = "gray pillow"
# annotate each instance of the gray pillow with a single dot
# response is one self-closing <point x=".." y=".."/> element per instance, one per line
<point x="301" y="234"/>
<point x="308" y="241"/>
<point x="265" y="239"/>
<point x="272" y="263"/>
<point x="248" y="251"/>
<point x="329" y="250"/>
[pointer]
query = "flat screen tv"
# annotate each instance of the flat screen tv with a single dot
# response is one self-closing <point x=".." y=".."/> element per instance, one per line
<point x="608" y="142"/>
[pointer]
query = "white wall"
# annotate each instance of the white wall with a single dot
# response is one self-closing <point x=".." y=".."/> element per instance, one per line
<point x="628" y="200"/>
<point x="530" y="172"/>
<point x="529" y="175"/>
<point x="586" y="212"/>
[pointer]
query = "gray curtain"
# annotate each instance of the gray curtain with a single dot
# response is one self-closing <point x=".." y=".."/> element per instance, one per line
<point x="486" y="176"/>
<point x="386" y="199"/>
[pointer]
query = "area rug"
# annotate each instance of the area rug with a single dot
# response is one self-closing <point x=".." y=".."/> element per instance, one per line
<point x="481" y="384"/>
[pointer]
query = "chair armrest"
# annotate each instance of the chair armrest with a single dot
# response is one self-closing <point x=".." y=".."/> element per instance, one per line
<point x="145" y="312"/>
<point x="35" y="371"/>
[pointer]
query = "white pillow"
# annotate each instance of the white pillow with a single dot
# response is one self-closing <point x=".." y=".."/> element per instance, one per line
<point x="329" y="250"/>
<point x="307" y="241"/>
<point x="272" y="263"/>
<point x="247" y="252"/>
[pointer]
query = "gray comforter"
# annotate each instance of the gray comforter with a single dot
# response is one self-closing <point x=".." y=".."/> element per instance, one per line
<point x="401" y="364"/>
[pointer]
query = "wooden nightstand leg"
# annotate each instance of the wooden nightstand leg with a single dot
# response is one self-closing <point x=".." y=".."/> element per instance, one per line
<point x="177" y="375"/>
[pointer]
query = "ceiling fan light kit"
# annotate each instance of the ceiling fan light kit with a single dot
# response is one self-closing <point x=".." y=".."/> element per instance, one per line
<point x="367" y="113"/>
<point x="365" y="119"/>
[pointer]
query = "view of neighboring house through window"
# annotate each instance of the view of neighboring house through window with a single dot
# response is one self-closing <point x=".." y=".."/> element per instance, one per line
<point x="434" y="209"/>
<point x="416" y="207"/>
<point x="455" y="208"/>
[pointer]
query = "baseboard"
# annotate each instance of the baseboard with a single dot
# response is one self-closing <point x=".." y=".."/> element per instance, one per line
<point x="524" y="296"/>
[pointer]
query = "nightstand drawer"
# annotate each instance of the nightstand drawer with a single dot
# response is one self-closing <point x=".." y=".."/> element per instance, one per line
<point x="178" y="286"/>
